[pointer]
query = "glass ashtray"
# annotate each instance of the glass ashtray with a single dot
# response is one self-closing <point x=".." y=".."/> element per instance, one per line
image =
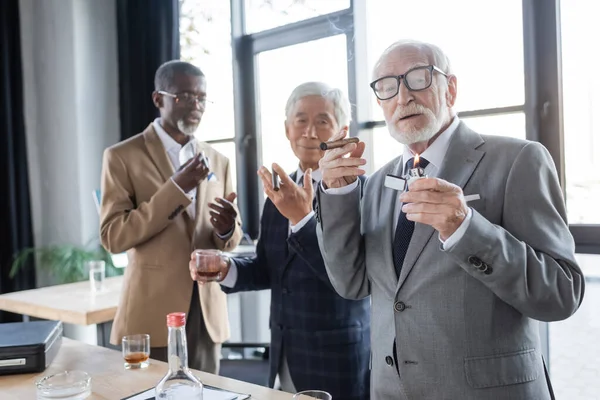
<point x="67" y="385"/>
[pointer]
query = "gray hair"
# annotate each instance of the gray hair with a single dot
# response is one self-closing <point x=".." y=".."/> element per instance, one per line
<point x="341" y="104"/>
<point x="165" y="74"/>
<point x="433" y="52"/>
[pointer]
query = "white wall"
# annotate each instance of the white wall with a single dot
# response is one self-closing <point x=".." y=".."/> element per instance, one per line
<point x="69" y="52"/>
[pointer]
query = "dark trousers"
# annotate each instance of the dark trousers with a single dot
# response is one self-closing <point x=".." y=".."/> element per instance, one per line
<point x="203" y="353"/>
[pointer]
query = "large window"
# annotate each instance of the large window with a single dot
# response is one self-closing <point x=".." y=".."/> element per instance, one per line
<point x="486" y="56"/>
<point x="581" y="94"/>
<point x="574" y="348"/>
<point x="267" y="14"/>
<point x="201" y="19"/>
<point x="279" y="72"/>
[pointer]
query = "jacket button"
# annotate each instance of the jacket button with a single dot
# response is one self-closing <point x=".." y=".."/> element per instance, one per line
<point x="475" y="261"/>
<point x="285" y="291"/>
<point x="389" y="361"/>
<point x="399" y="306"/>
<point x="488" y="271"/>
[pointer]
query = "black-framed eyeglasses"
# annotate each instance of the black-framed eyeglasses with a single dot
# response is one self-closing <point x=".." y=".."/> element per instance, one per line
<point x="416" y="79"/>
<point x="187" y="98"/>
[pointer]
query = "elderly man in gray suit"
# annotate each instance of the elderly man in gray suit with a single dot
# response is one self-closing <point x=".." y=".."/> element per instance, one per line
<point x="457" y="290"/>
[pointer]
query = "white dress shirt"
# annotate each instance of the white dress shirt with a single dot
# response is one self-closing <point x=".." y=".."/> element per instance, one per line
<point x="435" y="154"/>
<point x="178" y="155"/>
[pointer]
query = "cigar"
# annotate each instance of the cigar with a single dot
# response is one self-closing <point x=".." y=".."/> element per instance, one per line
<point x="275" y="181"/>
<point x="338" y="143"/>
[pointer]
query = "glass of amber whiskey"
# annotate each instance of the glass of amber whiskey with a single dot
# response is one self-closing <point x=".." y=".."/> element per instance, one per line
<point x="136" y="351"/>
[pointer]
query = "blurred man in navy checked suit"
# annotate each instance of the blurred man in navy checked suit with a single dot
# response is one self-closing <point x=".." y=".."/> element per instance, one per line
<point x="318" y="339"/>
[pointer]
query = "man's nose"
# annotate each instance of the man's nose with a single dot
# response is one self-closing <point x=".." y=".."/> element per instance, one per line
<point x="310" y="131"/>
<point x="404" y="95"/>
<point x="198" y="105"/>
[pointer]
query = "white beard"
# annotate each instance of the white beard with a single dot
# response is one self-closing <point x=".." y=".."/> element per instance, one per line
<point x="186" y="129"/>
<point x="414" y="135"/>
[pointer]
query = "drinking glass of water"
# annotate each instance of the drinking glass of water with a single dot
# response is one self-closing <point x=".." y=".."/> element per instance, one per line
<point x="97" y="270"/>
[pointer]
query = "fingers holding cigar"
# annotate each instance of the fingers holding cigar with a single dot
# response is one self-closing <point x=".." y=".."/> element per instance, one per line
<point x="272" y="181"/>
<point x="338" y="143"/>
<point x="341" y="163"/>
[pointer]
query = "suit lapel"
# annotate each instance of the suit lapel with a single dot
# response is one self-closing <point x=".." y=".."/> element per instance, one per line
<point x="202" y="186"/>
<point x="163" y="164"/>
<point x="201" y="200"/>
<point x="387" y="204"/>
<point x="462" y="157"/>
<point x="158" y="153"/>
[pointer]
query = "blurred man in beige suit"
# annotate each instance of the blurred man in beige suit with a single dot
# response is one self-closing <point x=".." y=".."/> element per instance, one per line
<point x="159" y="202"/>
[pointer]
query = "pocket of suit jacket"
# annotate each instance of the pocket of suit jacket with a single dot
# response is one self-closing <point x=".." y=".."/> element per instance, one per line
<point x="503" y="369"/>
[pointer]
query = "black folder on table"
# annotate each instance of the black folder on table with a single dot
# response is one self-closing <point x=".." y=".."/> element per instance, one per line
<point x="28" y="346"/>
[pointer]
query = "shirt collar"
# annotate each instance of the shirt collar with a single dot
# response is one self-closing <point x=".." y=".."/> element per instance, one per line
<point x="168" y="142"/>
<point x="316" y="175"/>
<point x="437" y="150"/>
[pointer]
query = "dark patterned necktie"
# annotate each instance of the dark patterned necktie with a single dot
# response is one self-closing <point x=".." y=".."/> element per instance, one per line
<point x="404" y="228"/>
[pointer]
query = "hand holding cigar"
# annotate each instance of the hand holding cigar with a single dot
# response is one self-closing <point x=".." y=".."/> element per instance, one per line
<point x="342" y="162"/>
<point x="338" y="143"/>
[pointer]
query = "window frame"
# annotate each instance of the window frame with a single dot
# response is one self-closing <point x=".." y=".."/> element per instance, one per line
<point x="542" y="76"/>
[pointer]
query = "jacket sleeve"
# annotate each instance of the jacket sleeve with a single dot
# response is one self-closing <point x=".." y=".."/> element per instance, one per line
<point x="342" y="243"/>
<point x="254" y="272"/>
<point x="124" y="223"/>
<point x="306" y="246"/>
<point x="528" y="261"/>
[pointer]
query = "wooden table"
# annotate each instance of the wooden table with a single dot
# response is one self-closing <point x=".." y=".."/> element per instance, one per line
<point x="110" y="381"/>
<point x="72" y="303"/>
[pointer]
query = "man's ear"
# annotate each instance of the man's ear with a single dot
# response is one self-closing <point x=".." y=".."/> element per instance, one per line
<point x="452" y="91"/>
<point x="157" y="99"/>
<point x="287" y="130"/>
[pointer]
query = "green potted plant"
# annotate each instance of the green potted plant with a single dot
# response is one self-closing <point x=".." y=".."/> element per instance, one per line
<point x="66" y="263"/>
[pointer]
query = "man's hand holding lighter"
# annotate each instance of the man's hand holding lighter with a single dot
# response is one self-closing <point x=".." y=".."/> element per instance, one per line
<point x="292" y="201"/>
<point x="342" y="166"/>
<point x="437" y="203"/>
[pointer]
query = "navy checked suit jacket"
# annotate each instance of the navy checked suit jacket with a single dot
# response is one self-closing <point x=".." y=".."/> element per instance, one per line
<point x="326" y="337"/>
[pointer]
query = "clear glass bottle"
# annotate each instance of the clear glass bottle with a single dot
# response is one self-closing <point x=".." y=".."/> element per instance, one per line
<point x="178" y="383"/>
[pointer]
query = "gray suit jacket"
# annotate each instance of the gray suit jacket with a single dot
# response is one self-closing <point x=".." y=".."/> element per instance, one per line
<point x="465" y="319"/>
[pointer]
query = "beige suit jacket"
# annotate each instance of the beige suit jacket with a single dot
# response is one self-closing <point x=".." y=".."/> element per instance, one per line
<point x="144" y="213"/>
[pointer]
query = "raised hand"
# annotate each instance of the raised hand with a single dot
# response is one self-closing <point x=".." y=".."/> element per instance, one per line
<point x="190" y="174"/>
<point x="341" y="166"/>
<point x="223" y="214"/>
<point x="292" y="201"/>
